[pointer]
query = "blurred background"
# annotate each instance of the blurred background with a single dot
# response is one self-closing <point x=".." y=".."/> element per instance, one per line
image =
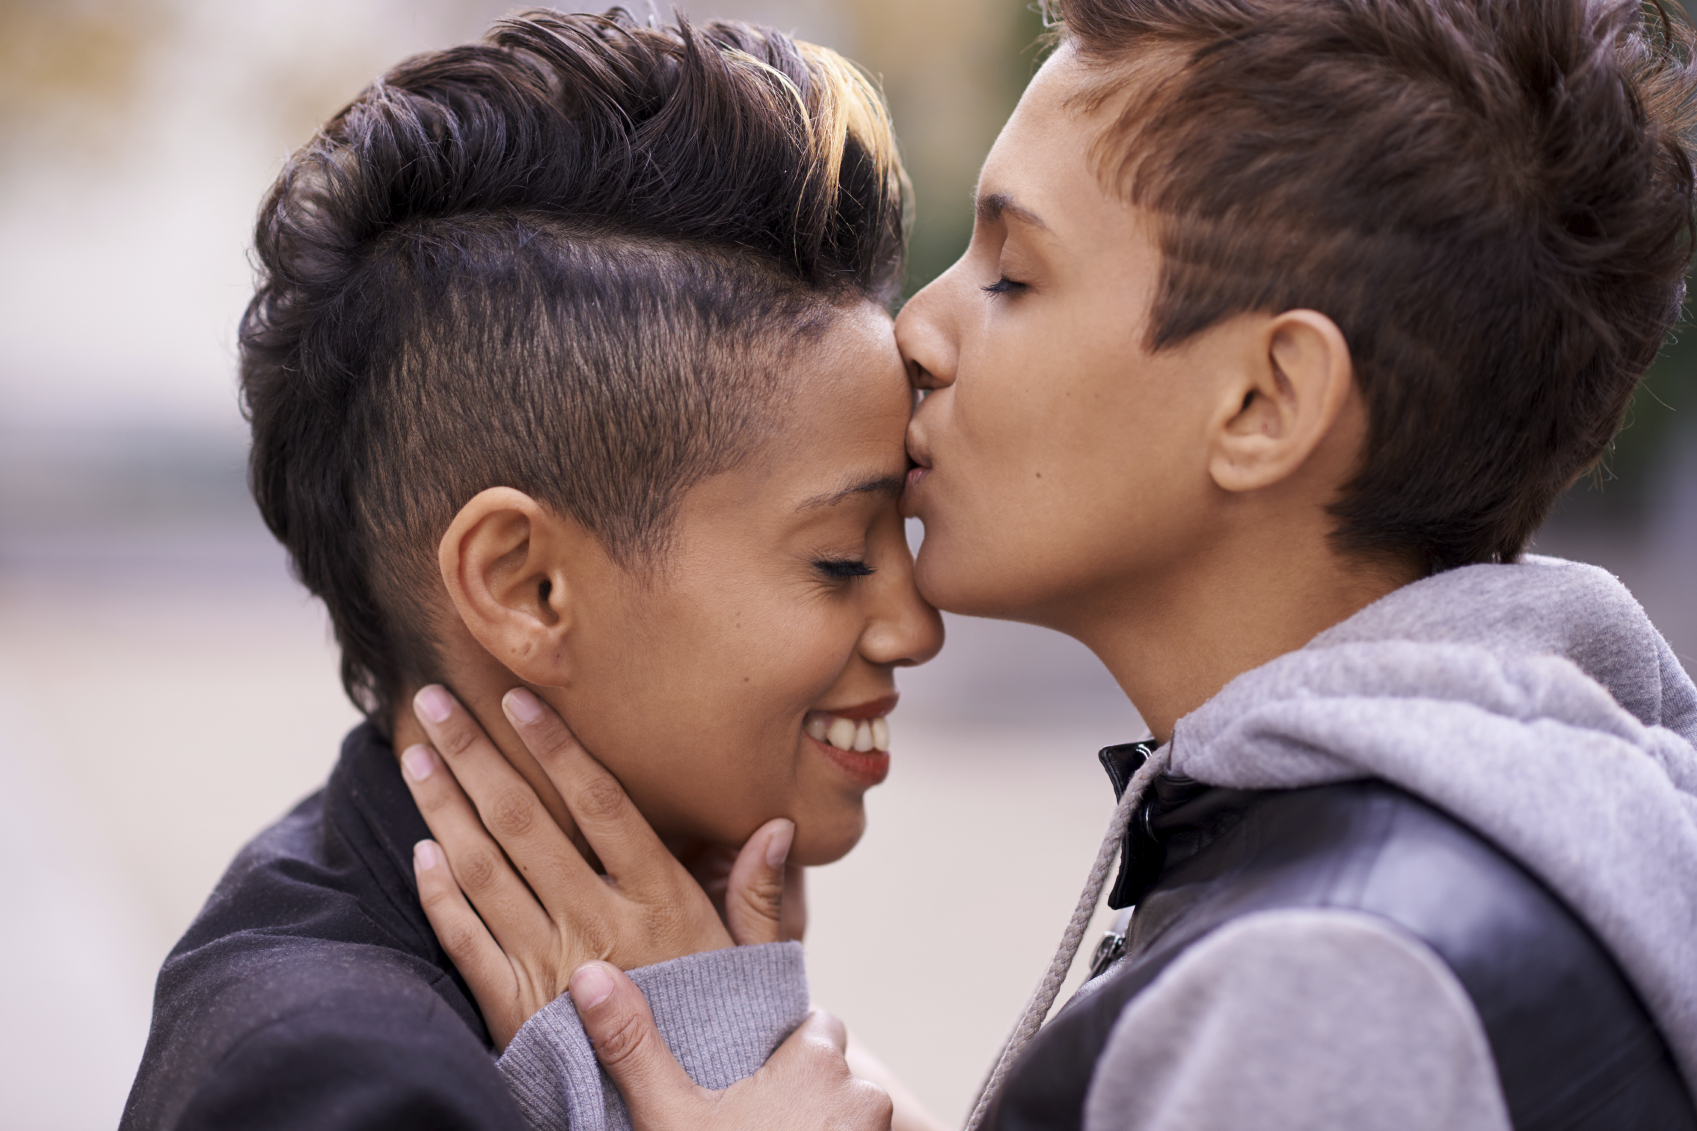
<point x="166" y="689"/>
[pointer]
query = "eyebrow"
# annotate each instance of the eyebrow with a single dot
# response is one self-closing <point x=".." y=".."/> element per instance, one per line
<point x="993" y="206"/>
<point x="871" y="485"/>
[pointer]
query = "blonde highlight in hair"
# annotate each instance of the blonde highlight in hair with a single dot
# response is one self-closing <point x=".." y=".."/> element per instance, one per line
<point x="569" y="259"/>
<point x="849" y="109"/>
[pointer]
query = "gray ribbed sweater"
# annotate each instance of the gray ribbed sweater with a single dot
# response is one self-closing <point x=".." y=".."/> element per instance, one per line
<point x="722" y="1013"/>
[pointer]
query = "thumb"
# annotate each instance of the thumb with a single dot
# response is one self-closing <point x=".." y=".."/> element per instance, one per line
<point x="620" y="1025"/>
<point x="754" y="894"/>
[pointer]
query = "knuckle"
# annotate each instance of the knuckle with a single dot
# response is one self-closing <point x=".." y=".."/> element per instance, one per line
<point x="435" y="898"/>
<point x="767" y="889"/>
<point x="553" y="743"/>
<point x="764" y="903"/>
<point x="600" y="798"/>
<point x="512" y="814"/>
<point x="623" y="1037"/>
<point x="455" y="738"/>
<point x="477" y="870"/>
<point x="873" y="1104"/>
<point x="458" y="939"/>
<point x="431" y="796"/>
<point x="595" y="935"/>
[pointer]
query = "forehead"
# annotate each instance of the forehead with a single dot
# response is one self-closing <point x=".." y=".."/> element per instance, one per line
<point x="848" y="398"/>
<point x="840" y="430"/>
<point x="1041" y="181"/>
<point x="1043" y="162"/>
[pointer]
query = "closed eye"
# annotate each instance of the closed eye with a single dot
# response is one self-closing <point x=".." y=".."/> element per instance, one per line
<point x="842" y="569"/>
<point x="1004" y="286"/>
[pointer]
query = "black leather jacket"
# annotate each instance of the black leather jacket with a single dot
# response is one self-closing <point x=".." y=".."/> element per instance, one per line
<point x="1573" y="1045"/>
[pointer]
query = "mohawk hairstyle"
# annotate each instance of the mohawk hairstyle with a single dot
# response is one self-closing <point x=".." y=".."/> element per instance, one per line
<point x="1491" y="198"/>
<point x="570" y="260"/>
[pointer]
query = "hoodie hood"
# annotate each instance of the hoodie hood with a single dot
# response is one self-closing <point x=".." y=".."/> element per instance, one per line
<point x="1536" y="703"/>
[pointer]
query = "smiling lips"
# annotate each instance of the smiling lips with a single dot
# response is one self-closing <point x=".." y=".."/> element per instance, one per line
<point x="855" y="739"/>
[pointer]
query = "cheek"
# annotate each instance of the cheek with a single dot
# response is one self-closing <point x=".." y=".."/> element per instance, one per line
<point x="1036" y="399"/>
<point x="736" y="721"/>
<point x="1053" y="456"/>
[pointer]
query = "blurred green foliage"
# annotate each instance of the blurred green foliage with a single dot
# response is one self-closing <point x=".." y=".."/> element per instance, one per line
<point x="1663" y="413"/>
<point x="944" y="202"/>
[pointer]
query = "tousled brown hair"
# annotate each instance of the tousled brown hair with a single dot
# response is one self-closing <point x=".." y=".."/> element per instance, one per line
<point x="570" y="260"/>
<point x="1491" y="198"/>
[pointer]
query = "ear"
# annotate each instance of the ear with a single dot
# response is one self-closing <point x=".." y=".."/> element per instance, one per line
<point x="506" y="561"/>
<point x="1285" y="395"/>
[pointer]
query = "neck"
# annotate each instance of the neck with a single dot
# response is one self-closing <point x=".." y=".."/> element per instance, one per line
<point x="479" y="682"/>
<point x="1174" y="638"/>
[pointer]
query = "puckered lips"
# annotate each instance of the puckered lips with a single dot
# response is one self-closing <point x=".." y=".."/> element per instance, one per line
<point x="855" y="739"/>
<point x="920" y="459"/>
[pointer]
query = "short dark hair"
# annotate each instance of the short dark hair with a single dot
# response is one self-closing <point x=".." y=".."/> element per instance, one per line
<point x="570" y="260"/>
<point x="1491" y="198"/>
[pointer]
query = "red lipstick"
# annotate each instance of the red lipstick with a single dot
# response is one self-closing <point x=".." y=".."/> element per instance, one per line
<point x="863" y="767"/>
<point x="866" y="769"/>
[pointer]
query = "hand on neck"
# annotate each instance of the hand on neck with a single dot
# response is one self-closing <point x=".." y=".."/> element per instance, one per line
<point x="479" y="682"/>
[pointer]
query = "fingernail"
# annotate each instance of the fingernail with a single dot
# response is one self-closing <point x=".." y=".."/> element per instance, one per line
<point x="424" y="855"/>
<point x="417" y="762"/>
<point x="590" y="986"/>
<point x="778" y="848"/>
<point x="434" y="704"/>
<point x="522" y="705"/>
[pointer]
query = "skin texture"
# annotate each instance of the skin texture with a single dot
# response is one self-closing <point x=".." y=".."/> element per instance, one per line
<point x="1166" y="509"/>
<point x="691" y="681"/>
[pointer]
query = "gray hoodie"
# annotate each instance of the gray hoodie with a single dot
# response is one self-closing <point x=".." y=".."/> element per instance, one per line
<point x="1536" y="703"/>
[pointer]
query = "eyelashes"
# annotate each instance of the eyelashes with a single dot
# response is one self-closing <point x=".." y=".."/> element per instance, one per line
<point x="1004" y="286"/>
<point x="843" y="569"/>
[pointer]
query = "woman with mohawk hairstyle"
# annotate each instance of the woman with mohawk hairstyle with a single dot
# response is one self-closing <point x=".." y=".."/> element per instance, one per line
<point x="1283" y="325"/>
<point x="570" y="366"/>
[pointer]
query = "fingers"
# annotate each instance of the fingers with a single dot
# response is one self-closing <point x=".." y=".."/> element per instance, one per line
<point x="754" y="896"/>
<point x="908" y="1113"/>
<point x="626" y="845"/>
<point x="506" y="805"/>
<point x="480" y="870"/>
<point x="467" y="941"/>
<point x="794" y="918"/>
<point x="819" y="1032"/>
<point x="620" y="1025"/>
<point x="807" y="1083"/>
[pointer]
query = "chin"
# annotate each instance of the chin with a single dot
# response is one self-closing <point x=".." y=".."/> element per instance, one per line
<point x="958" y="582"/>
<point x="826" y="842"/>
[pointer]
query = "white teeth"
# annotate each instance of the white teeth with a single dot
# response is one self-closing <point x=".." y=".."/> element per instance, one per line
<point x="846" y="734"/>
<point x="841" y="734"/>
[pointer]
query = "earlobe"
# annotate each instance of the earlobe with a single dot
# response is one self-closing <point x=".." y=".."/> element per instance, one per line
<point x="1294" y="376"/>
<point x="502" y="564"/>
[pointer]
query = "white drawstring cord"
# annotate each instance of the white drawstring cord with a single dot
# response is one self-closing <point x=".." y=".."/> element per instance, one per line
<point x="1043" y="997"/>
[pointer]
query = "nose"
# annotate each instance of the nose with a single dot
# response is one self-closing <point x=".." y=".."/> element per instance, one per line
<point x="902" y="629"/>
<point x="925" y="333"/>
